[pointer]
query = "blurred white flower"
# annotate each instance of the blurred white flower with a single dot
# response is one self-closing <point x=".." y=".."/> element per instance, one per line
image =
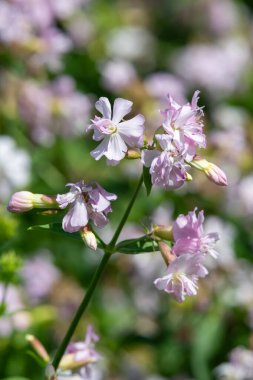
<point x="130" y="43"/>
<point x="117" y="74"/>
<point x="14" y="167"/>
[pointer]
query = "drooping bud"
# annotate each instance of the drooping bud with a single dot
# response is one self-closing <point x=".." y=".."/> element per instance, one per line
<point x="166" y="252"/>
<point x="38" y="347"/>
<point x="163" y="232"/>
<point x="88" y="237"/>
<point x="23" y="201"/>
<point x="212" y="171"/>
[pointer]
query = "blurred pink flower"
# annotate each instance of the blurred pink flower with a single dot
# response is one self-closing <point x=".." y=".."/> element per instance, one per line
<point x="39" y="275"/>
<point x="53" y="108"/>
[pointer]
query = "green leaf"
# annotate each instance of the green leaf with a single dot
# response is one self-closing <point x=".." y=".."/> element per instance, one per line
<point x="55" y="227"/>
<point x="147" y="180"/>
<point x="15" y="378"/>
<point x="143" y="244"/>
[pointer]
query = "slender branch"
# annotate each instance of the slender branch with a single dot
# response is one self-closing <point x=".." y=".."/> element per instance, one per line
<point x="108" y="249"/>
<point x="112" y="243"/>
<point x="80" y="311"/>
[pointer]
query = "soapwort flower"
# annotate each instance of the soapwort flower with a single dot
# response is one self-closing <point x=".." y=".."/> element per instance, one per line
<point x="87" y="201"/>
<point x="116" y="135"/>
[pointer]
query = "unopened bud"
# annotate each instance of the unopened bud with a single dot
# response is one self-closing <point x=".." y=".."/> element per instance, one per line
<point x="73" y="361"/>
<point x="188" y="177"/>
<point x="23" y="201"/>
<point x="38" y="347"/>
<point x="163" y="232"/>
<point x="166" y="252"/>
<point x="133" y="154"/>
<point x="212" y="171"/>
<point x="89" y="238"/>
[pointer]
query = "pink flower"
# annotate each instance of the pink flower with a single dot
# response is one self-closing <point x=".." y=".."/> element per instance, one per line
<point x="87" y="201"/>
<point x="116" y="135"/>
<point x="184" y="125"/>
<point x="167" y="167"/>
<point x="189" y="235"/>
<point x="182" y="276"/>
<point x="79" y="356"/>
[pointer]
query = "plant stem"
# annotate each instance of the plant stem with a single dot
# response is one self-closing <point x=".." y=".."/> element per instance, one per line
<point x="112" y="243"/>
<point x="108" y="250"/>
<point x="80" y="311"/>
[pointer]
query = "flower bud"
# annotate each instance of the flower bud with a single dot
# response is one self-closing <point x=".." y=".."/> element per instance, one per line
<point x="38" y="347"/>
<point x="133" y="154"/>
<point x="74" y="361"/>
<point x="166" y="252"/>
<point x="89" y="238"/>
<point x="163" y="232"/>
<point x="212" y="171"/>
<point x="23" y="201"/>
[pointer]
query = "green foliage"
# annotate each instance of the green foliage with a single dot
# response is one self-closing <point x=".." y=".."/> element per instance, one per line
<point x="10" y="265"/>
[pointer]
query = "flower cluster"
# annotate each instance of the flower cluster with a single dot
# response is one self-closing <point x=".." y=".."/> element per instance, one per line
<point x="239" y="367"/>
<point x="187" y="256"/>
<point x="54" y="107"/>
<point x="31" y="26"/>
<point x="172" y="150"/>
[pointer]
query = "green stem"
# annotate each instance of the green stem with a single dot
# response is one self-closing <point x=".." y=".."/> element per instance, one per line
<point x="108" y="249"/>
<point x="112" y="243"/>
<point x="80" y="311"/>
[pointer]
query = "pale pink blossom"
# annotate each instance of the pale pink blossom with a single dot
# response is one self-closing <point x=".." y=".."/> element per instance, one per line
<point x="87" y="201"/>
<point x="189" y="235"/>
<point x="167" y="167"/>
<point x="184" y="124"/>
<point x="116" y="135"/>
<point x="182" y="276"/>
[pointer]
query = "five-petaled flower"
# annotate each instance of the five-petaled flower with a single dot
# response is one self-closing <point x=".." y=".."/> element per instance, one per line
<point x="87" y="201"/>
<point x="116" y="135"/>
<point x="182" y="276"/>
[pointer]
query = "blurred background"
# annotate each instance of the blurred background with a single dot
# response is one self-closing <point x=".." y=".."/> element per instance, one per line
<point x="57" y="57"/>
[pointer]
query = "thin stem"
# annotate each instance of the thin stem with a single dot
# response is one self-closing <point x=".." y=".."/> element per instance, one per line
<point x="80" y="311"/>
<point x="108" y="249"/>
<point x="112" y="243"/>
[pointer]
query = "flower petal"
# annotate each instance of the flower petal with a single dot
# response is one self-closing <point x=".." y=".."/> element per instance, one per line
<point x="116" y="148"/>
<point x="132" y="130"/>
<point x="121" y="108"/>
<point x="76" y="217"/>
<point x="104" y="107"/>
<point x="101" y="149"/>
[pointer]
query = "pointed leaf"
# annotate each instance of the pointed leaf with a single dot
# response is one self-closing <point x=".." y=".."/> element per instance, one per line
<point x="147" y="180"/>
<point x="143" y="244"/>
